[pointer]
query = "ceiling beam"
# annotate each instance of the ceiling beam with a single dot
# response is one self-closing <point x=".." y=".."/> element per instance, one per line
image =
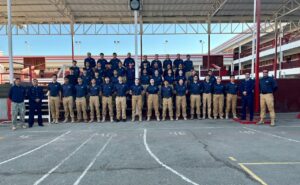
<point x="217" y="6"/>
<point x="288" y="8"/>
<point x="63" y="9"/>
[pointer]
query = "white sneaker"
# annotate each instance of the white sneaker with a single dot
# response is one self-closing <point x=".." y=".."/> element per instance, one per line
<point x="148" y="119"/>
<point x="24" y="126"/>
<point x="66" y="120"/>
<point x="14" y="128"/>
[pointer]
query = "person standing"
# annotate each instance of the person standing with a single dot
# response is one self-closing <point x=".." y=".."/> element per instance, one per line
<point x="231" y="97"/>
<point x="121" y="90"/>
<point x="102" y="61"/>
<point x="218" y="98"/>
<point x="68" y="100"/>
<point x="107" y="90"/>
<point x="81" y="92"/>
<point x="54" y="91"/>
<point x="157" y="62"/>
<point x="129" y="61"/>
<point x="152" y="101"/>
<point x="267" y="86"/>
<point x="167" y="62"/>
<point x="114" y="62"/>
<point x="167" y="96"/>
<point x="75" y="68"/>
<point x="145" y="81"/>
<point x="35" y="96"/>
<point x="136" y="91"/>
<point x="90" y="60"/>
<point x="17" y="95"/>
<point x="181" y="91"/>
<point x="196" y="90"/>
<point x="94" y="91"/>
<point x="178" y="61"/>
<point x="188" y="66"/>
<point x="207" y="93"/>
<point x="247" y="90"/>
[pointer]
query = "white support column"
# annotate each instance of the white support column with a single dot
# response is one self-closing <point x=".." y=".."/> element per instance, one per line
<point x="253" y="39"/>
<point x="10" y="49"/>
<point x="136" y="44"/>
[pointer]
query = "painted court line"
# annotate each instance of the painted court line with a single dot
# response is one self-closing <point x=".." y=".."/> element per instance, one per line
<point x="33" y="150"/>
<point x="64" y="160"/>
<point x="164" y="165"/>
<point x="272" y="163"/>
<point x="273" y="135"/>
<point x="92" y="162"/>
<point x="252" y="174"/>
<point x="232" y="158"/>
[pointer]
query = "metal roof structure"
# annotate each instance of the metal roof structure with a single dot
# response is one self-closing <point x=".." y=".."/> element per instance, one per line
<point x="153" y="11"/>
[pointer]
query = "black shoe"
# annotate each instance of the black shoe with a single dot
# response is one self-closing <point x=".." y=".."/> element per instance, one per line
<point x="124" y="120"/>
<point x="41" y="125"/>
<point x="117" y="120"/>
<point x="30" y="126"/>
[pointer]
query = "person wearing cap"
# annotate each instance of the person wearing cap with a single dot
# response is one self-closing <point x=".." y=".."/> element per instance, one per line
<point x="102" y="61"/>
<point x="94" y="92"/>
<point x="129" y="61"/>
<point x="195" y="89"/>
<point x="136" y="91"/>
<point x="54" y="91"/>
<point x="75" y="69"/>
<point x="121" y="90"/>
<point x="90" y="60"/>
<point x="68" y="91"/>
<point x="152" y="101"/>
<point x="107" y="90"/>
<point x="247" y="91"/>
<point x="188" y="66"/>
<point x="181" y="92"/>
<point x="17" y="95"/>
<point x="167" y="96"/>
<point x="114" y="62"/>
<point x="167" y="62"/>
<point x="267" y="86"/>
<point x="231" y="97"/>
<point x="207" y="96"/>
<point x="218" y="98"/>
<point x="81" y="105"/>
<point x="177" y="62"/>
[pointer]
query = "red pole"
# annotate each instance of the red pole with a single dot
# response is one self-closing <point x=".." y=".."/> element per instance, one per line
<point x="275" y="57"/>
<point x="30" y="74"/>
<point x="258" y="5"/>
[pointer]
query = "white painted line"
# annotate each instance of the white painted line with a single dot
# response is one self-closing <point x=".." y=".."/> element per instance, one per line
<point x="64" y="160"/>
<point x="92" y="162"/>
<point x="273" y="135"/>
<point x="33" y="150"/>
<point x="164" y="165"/>
<point x="272" y="163"/>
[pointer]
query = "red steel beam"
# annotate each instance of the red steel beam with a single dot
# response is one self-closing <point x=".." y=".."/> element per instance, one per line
<point x="258" y="12"/>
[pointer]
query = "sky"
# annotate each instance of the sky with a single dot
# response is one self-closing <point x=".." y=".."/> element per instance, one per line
<point x="152" y="44"/>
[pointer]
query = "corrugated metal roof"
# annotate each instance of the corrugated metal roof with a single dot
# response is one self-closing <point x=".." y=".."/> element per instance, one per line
<point x="153" y="11"/>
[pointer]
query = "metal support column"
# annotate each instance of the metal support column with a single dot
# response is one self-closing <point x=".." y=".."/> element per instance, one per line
<point x="208" y="44"/>
<point x="141" y="37"/>
<point x="258" y="11"/>
<point x="136" y="43"/>
<point x="72" y="38"/>
<point x="276" y="56"/>
<point x="10" y="44"/>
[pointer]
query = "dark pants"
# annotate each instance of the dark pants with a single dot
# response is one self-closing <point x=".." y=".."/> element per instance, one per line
<point x="35" y="109"/>
<point x="247" y="101"/>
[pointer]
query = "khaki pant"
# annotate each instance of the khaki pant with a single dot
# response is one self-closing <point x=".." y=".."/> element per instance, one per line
<point x="152" y="102"/>
<point x="195" y="101"/>
<point x="68" y="107"/>
<point x="54" y="106"/>
<point x="218" y="105"/>
<point x="181" y="104"/>
<point x="267" y="100"/>
<point x="167" y="105"/>
<point x="137" y="105"/>
<point x="94" y="106"/>
<point x="121" y="107"/>
<point x="207" y="103"/>
<point x="188" y="74"/>
<point x="107" y="103"/>
<point x="18" y="109"/>
<point x="81" y="108"/>
<point x="231" y="100"/>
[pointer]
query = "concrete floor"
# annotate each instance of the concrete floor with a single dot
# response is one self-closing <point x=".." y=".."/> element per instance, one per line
<point x="204" y="152"/>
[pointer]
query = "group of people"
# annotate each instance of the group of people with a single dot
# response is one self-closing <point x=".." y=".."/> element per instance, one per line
<point x="103" y="85"/>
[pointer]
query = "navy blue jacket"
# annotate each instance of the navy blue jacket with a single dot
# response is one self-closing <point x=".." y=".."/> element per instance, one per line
<point x="103" y="63"/>
<point x="180" y="90"/>
<point x="170" y="79"/>
<point x="128" y="61"/>
<point x="115" y="63"/>
<point x="54" y="88"/>
<point x="107" y="89"/>
<point x="180" y="78"/>
<point x="72" y="79"/>
<point x="35" y="92"/>
<point x="196" y="88"/>
<point x="177" y="62"/>
<point x="94" y="90"/>
<point x="167" y="92"/>
<point x="152" y="89"/>
<point x="108" y="73"/>
<point x="121" y="89"/>
<point x="67" y="90"/>
<point x="99" y="81"/>
<point x="248" y="86"/>
<point x="86" y="79"/>
<point x="81" y="90"/>
<point x="121" y="71"/>
<point x="207" y="87"/>
<point x="90" y="72"/>
<point x="188" y="65"/>
<point x="17" y="94"/>
<point x="91" y="61"/>
<point x="157" y="80"/>
<point x="166" y="63"/>
<point x="136" y="90"/>
<point x="156" y="61"/>
<point x="145" y="79"/>
<point x="267" y="85"/>
<point x="76" y="71"/>
<point x="145" y="62"/>
<point x="212" y="79"/>
<point x="219" y="89"/>
<point x="232" y="88"/>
